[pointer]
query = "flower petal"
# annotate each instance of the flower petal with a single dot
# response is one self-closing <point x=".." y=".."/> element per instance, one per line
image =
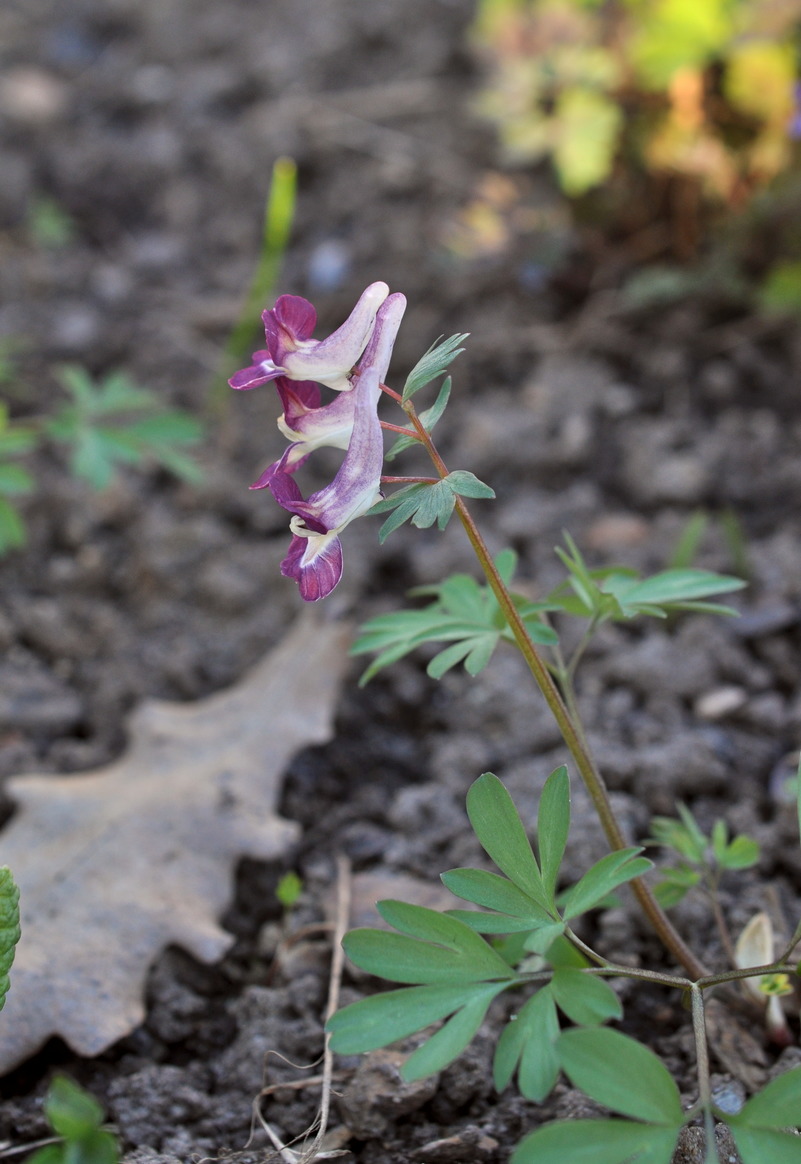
<point x="297" y="396"/>
<point x="331" y="361"/>
<point x="291" y="322"/>
<point x="315" y="563"/>
<point x="259" y="373"/>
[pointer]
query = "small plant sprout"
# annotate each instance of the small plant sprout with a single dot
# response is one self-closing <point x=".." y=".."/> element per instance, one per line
<point x="117" y="423"/>
<point x="755" y="947"/>
<point x="15" y="441"/>
<point x="702" y="862"/>
<point x="522" y="931"/>
<point x="103" y="426"/>
<point x="9" y="928"/>
<point x="77" y="1120"/>
<point x="289" y="889"/>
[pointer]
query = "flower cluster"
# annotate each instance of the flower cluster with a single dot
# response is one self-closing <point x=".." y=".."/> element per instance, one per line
<point x="353" y="361"/>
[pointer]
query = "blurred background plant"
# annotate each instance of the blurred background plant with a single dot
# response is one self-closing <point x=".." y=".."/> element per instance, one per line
<point x="659" y="117"/>
<point x="102" y="426"/>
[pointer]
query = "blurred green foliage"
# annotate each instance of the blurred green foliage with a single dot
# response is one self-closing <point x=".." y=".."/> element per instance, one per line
<point x="700" y="91"/>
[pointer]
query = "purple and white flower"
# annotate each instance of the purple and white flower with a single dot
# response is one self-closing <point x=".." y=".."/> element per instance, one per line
<point x="314" y="559"/>
<point x="293" y="354"/>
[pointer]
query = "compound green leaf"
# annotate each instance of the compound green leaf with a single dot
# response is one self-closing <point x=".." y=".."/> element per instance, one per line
<point x="432" y="364"/>
<point x="777" y="1106"/>
<point x="494" y="892"/>
<point x="586" y="999"/>
<point x="466" y="484"/>
<point x="553" y="825"/>
<point x="384" y="1018"/>
<point x="766" y="1145"/>
<point x="597" y="1142"/>
<point x="449" y="1042"/>
<point x="497" y="825"/>
<point x="612" y="870"/>
<point x="527" y="1042"/>
<point x="621" y="1074"/>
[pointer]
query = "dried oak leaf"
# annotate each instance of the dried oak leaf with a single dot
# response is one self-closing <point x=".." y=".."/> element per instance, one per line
<point x="115" y="864"/>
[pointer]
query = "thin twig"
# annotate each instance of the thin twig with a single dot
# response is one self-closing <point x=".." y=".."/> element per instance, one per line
<point x="313" y="1150"/>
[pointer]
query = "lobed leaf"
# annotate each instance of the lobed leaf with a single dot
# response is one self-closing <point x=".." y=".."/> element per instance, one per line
<point x="553" y="825"/>
<point x="621" y="1074"/>
<point x="765" y="1145"/>
<point x="605" y="875"/>
<point x="384" y="1018"/>
<point x="449" y="1042"/>
<point x="597" y="1142"/>
<point x="497" y="825"/>
<point x="586" y="999"/>
<point x="466" y="484"/>
<point x="431" y="947"/>
<point x="527" y="1045"/>
<point x="432" y="364"/>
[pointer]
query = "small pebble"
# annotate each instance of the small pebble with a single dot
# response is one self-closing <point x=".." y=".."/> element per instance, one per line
<point x="32" y="96"/>
<point x="719" y="703"/>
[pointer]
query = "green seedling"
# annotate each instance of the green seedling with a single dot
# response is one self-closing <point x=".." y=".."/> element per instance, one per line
<point x="77" y="1119"/>
<point x="115" y="423"/>
<point x="289" y="889"/>
<point x="9" y="928"/>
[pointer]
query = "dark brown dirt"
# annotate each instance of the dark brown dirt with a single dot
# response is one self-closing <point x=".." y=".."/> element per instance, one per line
<point x="153" y="126"/>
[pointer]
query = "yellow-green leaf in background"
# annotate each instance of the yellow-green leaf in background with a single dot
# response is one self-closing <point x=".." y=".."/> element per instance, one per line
<point x="588" y="125"/>
<point x="674" y="34"/>
<point x="760" y="76"/>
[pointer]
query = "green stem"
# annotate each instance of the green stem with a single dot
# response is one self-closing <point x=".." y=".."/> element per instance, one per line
<point x="702" y="1065"/>
<point x="572" y="735"/>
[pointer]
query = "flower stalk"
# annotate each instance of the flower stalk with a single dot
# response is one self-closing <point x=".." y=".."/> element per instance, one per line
<point x="571" y="732"/>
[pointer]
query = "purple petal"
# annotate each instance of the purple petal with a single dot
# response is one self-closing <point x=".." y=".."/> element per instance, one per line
<point x="290" y="322"/>
<point x="297" y="397"/>
<point x="329" y="426"/>
<point x="256" y="374"/>
<point x="331" y="360"/>
<point x="387" y="321"/>
<point x="295" y="456"/>
<point x="315" y="563"/>
<point x="355" y="487"/>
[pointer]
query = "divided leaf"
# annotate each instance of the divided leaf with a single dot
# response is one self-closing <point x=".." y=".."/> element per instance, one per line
<point x="616" y="593"/>
<point x="433" y="363"/>
<point x="115" y="422"/>
<point x="527" y="1044"/>
<point x="598" y="1142"/>
<point x="426" y="502"/>
<point x="431" y="947"/>
<point x="450" y="1040"/>
<point x="605" y="875"/>
<point x="497" y="825"/>
<point x="621" y="1074"/>
<point x="463" y="613"/>
<point x="384" y="1018"/>
<point x="428" y="419"/>
<point x="586" y="999"/>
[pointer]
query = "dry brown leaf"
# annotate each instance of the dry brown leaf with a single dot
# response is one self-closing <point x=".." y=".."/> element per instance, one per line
<point x="116" y="864"/>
